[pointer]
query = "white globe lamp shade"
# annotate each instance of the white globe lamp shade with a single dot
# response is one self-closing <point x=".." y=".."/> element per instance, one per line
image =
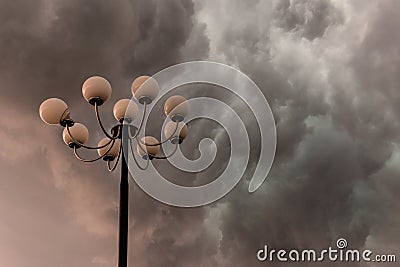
<point x="176" y="108"/>
<point x="53" y="111"/>
<point x="96" y="90"/>
<point x="145" y="89"/>
<point x="177" y="131"/>
<point x="148" y="147"/>
<point x="79" y="132"/>
<point x="125" y="109"/>
<point x="114" y="151"/>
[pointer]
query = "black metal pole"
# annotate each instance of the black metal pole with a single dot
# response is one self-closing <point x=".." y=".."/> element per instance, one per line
<point x="123" y="204"/>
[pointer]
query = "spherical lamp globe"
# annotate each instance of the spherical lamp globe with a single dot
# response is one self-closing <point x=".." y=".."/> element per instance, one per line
<point x="176" y="108"/>
<point x="53" y="111"/>
<point x="145" y="89"/>
<point x="112" y="153"/>
<point x="177" y="131"/>
<point x="125" y="109"/>
<point x="148" y="147"/>
<point x="96" y="90"/>
<point x="79" y="133"/>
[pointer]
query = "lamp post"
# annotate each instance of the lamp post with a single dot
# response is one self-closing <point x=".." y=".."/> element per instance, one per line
<point x="119" y="142"/>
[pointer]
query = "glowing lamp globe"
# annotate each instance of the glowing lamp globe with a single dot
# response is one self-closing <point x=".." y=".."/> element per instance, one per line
<point x="176" y="108"/>
<point x="53" y="111"/>
<point x="177" y="134"/>
<point x="96" y="90"/>
<point x="114" y="151"/>
<point x="125" y="109"/>
<point x="145" y="89"/>
<point x="79" y="132"/>
<point x="149" y="148"/>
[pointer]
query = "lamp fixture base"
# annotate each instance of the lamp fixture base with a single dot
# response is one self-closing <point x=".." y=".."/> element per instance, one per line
<point x="67" y="122"/>
<point x="145" y="99"/>
<point x="116" y="131"/>
<point x="96" y="101"/>
<point x="177" y="118"/>
<point x="126" y="120"/>
<point x="108" y="158"/>
<point x="176" y="140"/>
<point x="74" y="145"/>
<point x="148" y="156"/>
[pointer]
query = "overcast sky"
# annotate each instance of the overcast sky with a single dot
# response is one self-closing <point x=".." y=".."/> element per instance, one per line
<point x="330" y="70"/>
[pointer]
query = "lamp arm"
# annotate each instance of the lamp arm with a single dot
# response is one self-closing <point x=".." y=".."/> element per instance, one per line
<point x="82" y="145"/>
<point x="141" y="123"/>
<point x="163" y="142"/>
<point x="92" y="160"/>
<point x="140" y="145"/>
<point x="165" y="157"/>
<point x="110" y="169"/>
<point x="134" y="158"/>
<point x="155" y="157"/>
<point x="96" y="109"/>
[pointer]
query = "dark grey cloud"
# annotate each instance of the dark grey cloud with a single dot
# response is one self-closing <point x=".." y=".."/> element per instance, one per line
<point x="329" y="69"/>
<point x="54" y="45"/>
<point x="47" y="49"/>
<point x="332" y="83"/>
<point x="310" y="18"/>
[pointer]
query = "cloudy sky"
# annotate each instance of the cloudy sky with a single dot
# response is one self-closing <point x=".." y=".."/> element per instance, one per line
<point x="330" y="70"/>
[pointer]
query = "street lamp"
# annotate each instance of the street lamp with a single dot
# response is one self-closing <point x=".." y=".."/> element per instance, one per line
<point x="118" y="143"/>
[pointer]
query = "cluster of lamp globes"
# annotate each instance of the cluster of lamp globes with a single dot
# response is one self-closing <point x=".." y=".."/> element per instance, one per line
<point x="97" y="90"/>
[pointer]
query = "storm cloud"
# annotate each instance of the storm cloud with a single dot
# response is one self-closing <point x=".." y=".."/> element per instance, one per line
<point x="329" y="69"/>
